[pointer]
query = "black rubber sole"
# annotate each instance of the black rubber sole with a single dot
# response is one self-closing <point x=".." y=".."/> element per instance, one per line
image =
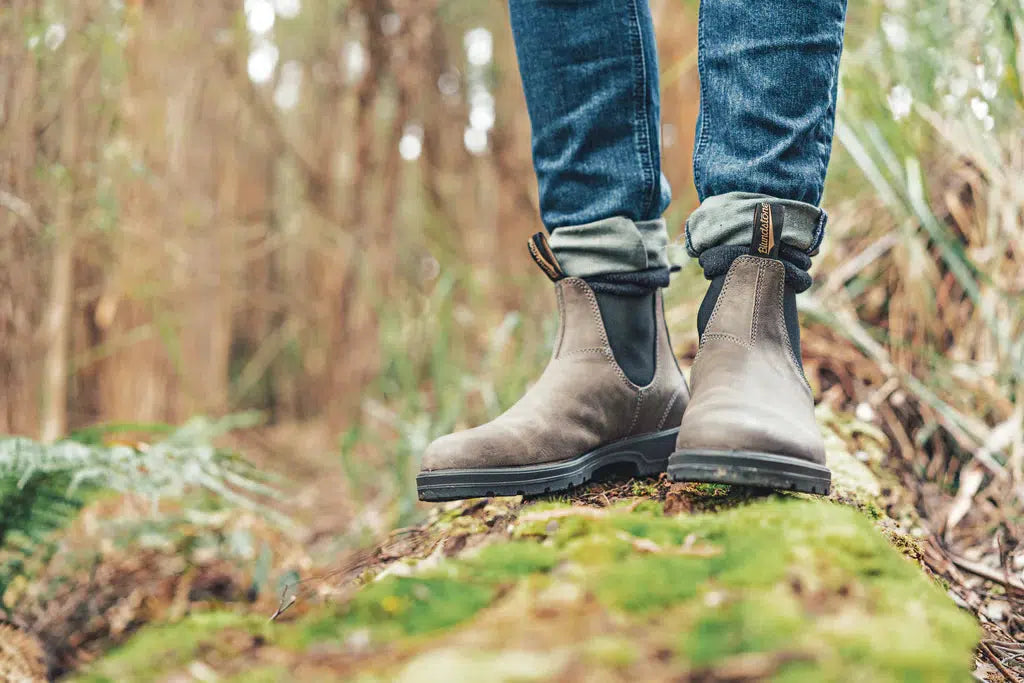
<point x="636" y="456"/>
<point x="746" y="468"/>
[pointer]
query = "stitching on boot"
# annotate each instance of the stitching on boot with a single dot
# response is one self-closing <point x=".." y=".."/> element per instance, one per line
<point x="595" y="310"/>
<point x="636" y="413"/>
<point x="596" y="315"/>
<point x="561" y="319"/>
<point x="755" y="313"/>
<point x="729" y="337"/>
<point x="718" y="303"/>
<point x="668" y="408"/>
<point x="610" y="357"/>
<point x="591" y="349"/>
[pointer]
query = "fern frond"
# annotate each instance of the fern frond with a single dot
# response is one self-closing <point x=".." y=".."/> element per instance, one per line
<point x="42" y="486"/>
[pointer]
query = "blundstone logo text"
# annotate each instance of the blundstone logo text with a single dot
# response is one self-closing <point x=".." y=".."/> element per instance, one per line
<point x="767" y="232"/>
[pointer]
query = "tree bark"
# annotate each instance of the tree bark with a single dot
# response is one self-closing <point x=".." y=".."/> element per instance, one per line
<point x="58" y="307"/>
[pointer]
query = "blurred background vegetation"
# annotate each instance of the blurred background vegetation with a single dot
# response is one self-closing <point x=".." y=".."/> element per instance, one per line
<point x="317" y="210"/>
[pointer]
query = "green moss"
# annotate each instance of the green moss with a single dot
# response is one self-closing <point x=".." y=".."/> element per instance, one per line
<point x="507" y="561"/>
<point x="506" y="665"/>
<point x="784" y="565"/>
<point x="660" y="530"/>
<point x="568" y="528"/>
<point x="537" y="528"/>
<point x="645" y="583"/>
<point x="711" y="490"/>
<point x="613" y="652"/>
<point x="403" y="606"/>
<point x="810" y="585"/>
<point x="644" y="488"/>
<point x="861" y="607"/>
<point x="448" y="516"/>
<point x="156" y="650"/>
<point x="466" y="525"/>
<point x="599" y="550"/>
<point x="762" y="541"/>
<point x="647" y="507"/>
<point x="550" y="502"/>
<point x="263" y="674"/>
<point x="905" y="543"/>
<point x="872" y="510"/>
<point x="743" y="627"/>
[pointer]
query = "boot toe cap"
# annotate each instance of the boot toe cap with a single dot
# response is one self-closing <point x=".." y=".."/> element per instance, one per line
<point x="721" y="429"/>
<point x="485" y="446"/>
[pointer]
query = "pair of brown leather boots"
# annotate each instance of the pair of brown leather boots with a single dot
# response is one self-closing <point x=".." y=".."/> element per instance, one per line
<point x="748" y="420"/>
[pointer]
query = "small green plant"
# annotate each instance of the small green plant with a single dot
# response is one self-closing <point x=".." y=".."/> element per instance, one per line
<point x="43" y="486"/>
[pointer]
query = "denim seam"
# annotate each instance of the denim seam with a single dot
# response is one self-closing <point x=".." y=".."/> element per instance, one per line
<point x="640" y="132"/>
<point x="704" y="127"/>
<point x="827" y="128"/>
<point x="823" y="136"/>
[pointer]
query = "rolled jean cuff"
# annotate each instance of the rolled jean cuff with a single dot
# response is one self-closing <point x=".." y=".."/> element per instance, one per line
<point x="611" y="245"/>
<point x="728" y="219"/>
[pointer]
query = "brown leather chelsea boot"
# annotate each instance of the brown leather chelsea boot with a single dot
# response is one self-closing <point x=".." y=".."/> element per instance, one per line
<point x="751" y="418"/>
<point x="583" y="414"/>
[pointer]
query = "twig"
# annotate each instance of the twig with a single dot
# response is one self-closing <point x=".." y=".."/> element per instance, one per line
<point x="359" y="560"/>
<point x="1006" y="645"/>
<point x="282" y="607"/>
<point x="1010" y="676"/>
<point x="971" y="477"/>
<point x="985" y="572"/>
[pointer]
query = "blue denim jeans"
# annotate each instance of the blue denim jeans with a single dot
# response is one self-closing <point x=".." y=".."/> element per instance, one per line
<point x="768" y="74"/>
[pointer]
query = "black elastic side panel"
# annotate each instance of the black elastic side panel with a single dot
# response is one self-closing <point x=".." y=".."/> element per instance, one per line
<point x="631" y="327"/>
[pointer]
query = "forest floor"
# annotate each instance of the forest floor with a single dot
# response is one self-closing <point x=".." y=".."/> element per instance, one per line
<point x="623" y="580"/>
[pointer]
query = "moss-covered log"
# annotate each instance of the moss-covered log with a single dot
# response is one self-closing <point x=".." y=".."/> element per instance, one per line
<point x="639" y="580"/>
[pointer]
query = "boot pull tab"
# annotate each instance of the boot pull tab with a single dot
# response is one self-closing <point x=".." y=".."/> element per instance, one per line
<point x="541" y="252"/>
<point x="767" y="235"/>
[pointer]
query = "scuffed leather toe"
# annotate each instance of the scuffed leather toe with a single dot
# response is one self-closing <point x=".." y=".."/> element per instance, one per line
<point x="743" y="430"/>
<point x="489" y="445"/>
